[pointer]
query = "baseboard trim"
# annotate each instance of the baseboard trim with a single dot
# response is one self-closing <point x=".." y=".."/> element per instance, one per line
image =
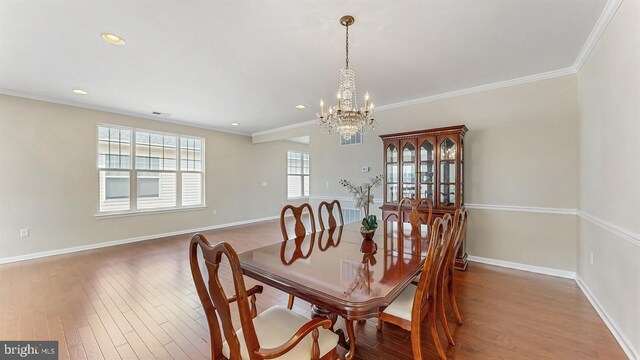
<point x="525" y="267"/>
<point x="69" y="250"/>
<point x="625" y="344"/>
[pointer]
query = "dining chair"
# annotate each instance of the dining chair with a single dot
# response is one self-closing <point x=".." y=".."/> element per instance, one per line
<point x="275" y="333"/>
<point x="419" y="301"/>
<point x="299" y="217"/>
<point x="329" y="209"/>
<point x="444" y="273"/>
<point x="299" y="228"/>
<point x="447" y="277"/>
<point x="415" y="217"/>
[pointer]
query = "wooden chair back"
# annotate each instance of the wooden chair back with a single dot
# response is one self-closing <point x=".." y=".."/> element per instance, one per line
<point x="329" y="209"/>
<point x="214" y="300"/>
<point x="461" y="229"/>
<point x="299" y="226"/>
<point x="450" y="251"/>
<point x="415" y="218"/>
<point x="440" y="239"/>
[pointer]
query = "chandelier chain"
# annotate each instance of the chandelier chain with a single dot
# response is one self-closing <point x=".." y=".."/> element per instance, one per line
<point x="347" y="48"/>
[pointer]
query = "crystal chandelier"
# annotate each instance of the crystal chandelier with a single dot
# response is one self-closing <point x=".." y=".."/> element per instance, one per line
<point x="346" y="118"/>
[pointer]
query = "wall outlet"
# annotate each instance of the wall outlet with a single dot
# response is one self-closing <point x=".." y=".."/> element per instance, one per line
<point x="365" y="169"/>
<point x="24" y="232"/>
<point x="591" y="258"/>
<point x="215" y="212"/>
<point x="327" y="184"/>
<point x="264" y="184"/>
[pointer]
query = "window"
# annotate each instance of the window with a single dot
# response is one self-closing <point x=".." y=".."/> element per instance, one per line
<point x="297" y="174"/>
<point x="355" y="139"/>
<point x="154" y="176"/>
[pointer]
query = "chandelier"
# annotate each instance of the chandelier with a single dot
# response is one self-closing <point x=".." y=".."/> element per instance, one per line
<point x="345" y="117"/>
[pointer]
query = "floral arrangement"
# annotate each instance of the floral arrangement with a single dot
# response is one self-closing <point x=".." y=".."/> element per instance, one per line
<point x="363" y="198"/>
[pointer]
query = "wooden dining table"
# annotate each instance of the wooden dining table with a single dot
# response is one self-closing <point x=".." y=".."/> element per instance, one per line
<point x="339" y="273"/>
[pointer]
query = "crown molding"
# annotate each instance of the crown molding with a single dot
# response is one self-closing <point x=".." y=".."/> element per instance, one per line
<point x="601" y="24"/>
<point x="115" y="111"/>
<point x="481" y="88"/>
<point x="438" y="97"/>
<point x="283" y="128"/>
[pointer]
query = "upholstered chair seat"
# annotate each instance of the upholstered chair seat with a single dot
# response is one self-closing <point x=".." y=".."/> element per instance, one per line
<point x="275" y="326"/>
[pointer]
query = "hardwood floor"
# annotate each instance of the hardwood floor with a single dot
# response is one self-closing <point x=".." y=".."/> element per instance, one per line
<point x="138" y="301"/>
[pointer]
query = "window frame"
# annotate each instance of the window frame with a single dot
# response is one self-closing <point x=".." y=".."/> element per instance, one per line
<point x="301" y="175"/>
<point x="343" y="142"/>
<point x="133" y="175"/>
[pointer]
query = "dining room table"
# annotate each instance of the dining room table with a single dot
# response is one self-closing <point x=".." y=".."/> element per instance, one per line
<point x="340" y="273"/>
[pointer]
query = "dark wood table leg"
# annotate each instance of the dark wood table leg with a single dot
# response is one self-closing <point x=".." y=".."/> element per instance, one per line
<point x="351" y="341"/>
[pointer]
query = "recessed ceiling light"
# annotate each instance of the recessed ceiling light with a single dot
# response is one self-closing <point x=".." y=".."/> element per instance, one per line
<point x="235" y="124"/>
<point x="300" y="106"/>
<point x="113" y="39"/>
<point x="80" y="92"/>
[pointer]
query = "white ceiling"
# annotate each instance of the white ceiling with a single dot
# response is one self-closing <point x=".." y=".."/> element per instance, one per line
<point x="211" y="63"/>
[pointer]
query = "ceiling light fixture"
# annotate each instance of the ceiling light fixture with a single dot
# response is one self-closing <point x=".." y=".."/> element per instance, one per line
<point x="235" y="124"/>
<point x="80" y="92"/>
<point x="346" y="118"/>
<point x="113" y="39"/>
<point x="300" y="107"/>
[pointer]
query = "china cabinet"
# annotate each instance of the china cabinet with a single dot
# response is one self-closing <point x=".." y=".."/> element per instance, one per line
<point x="429" y="164"/>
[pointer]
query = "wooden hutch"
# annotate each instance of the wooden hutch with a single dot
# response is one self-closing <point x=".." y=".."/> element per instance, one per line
<point x="428" y="164"/>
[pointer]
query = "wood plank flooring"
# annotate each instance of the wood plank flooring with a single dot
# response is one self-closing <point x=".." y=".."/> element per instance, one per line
<point x="138" y="301"/>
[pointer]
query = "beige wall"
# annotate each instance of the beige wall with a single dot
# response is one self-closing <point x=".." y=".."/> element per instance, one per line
<point x="49" y="182"/>
<point x="521" y="150"/>
<point x="609" y="103"/>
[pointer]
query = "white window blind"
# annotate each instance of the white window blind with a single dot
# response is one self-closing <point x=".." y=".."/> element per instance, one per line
<point x="154" y="176"/>
<point x="297" y="174"/>
<point x="355" y="139"/>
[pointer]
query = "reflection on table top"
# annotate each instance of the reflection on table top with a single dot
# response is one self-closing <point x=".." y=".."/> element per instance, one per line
<point x="334" y="268"/>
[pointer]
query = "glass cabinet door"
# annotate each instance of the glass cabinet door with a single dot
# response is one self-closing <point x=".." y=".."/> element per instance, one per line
<point x="392" y="173"/>
<point x="426" y="171"/>
<point x="461" y="172"/>
<point x="409" y="170"/>
<point x="448" y="172"/>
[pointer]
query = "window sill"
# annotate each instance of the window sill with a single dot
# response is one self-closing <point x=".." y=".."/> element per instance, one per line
<point x="299" y="198"/>
<point x="146" y="212"/>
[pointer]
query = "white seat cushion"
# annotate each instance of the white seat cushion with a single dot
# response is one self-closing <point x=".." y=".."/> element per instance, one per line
<point x="402" y="305"/>
<point x="276" y="326"/>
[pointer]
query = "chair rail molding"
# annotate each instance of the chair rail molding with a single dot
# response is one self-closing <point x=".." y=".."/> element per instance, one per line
<point x="339" y="198"/>
<point x="529" y="209"/>
<point x="610" y="227"/>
